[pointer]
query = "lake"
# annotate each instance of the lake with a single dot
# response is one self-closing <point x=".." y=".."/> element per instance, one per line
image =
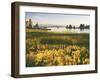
<point x="64" y="30"/>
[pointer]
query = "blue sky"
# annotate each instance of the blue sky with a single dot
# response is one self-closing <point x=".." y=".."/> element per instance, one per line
<point x="57" y="19"/>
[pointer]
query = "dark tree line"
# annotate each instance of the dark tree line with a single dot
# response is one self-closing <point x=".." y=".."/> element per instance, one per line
<point x="81" y="27"/>
<point x="30" y="25"/>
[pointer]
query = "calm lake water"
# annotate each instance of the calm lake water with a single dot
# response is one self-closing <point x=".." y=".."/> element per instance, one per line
<point x="64" y="30"/>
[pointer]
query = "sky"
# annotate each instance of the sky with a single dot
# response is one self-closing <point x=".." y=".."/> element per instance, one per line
<point x="57" y="18"/>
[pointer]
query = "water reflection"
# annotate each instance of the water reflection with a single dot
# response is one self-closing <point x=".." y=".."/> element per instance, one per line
<point x="64" y="30"/>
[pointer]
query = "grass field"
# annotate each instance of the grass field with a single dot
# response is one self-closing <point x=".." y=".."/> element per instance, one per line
<point x="45" y="48"/>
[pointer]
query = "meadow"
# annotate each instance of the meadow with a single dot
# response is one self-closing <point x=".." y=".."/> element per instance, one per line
<point x="45" y="48"/>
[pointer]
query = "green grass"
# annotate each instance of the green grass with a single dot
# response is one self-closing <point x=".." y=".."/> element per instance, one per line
<point x="50" y="38"/>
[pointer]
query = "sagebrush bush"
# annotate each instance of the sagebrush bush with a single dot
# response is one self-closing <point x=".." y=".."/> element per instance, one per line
<point x="70" y="55"/>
